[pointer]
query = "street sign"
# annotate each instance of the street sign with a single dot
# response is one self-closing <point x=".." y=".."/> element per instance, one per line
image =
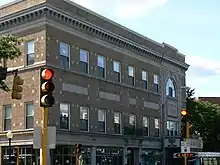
<point x="185" y="147"/>
<point x="51" y="137"/>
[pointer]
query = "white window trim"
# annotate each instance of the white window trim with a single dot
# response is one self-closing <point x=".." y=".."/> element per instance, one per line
<point x="105" y="120"/>
<point x="87" y="115"/>
<point x="25" y="111"/>
<point x="68" y="116"/>
<point x="68" y="52"/>
<point x="87" y="52"/>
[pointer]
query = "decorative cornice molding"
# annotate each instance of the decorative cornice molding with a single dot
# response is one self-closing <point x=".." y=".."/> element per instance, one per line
<point x="85" y="27"/>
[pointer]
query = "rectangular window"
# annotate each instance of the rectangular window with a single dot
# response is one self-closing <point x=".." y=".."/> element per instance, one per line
<point x="64" y="116"/>
<point x="145" y="126"/>
<point x="101" y="66"/>
<point x="117" y="122"/>
<point x="131" y="75"/>
<point x="156" y="83"/>
<point x="84" y="61"/>
<point x="101" y="121"/>
<point x="172" y="128"/>
<point x="29" y="108"/>
<point x="157" y="127"/>
<point x="132" y="120"/>
<point x="8" y="117"/>
<point x="145" y="79"/>
<point x="30" y="52"/>
<point x="117" y="70"/>
<point x="84" y="119"/>
<point x="64" y="55"/>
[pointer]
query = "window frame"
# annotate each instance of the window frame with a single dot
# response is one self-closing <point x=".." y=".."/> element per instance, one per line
<point x="120" y="122"/>
<point x="118" y="72"/>
<point x="156" y="77"/>
<point x="147" y="78"/>
<point x="68" y="46"/>
<point x="26" y="103"/>
<point x="104" y="67"/>
<point x="69" y="119"/>
<point x="105" y="117"/>
<point x="87" y="53"/>
<point x="156" y="118"/>
<point x="170" y="84"/>
<point x="27" y="51"/>
<point x="87" y="108"/>
<point x="4" y="126"/>
<point x="148" y="124"/>
<point x="135" y="120"/>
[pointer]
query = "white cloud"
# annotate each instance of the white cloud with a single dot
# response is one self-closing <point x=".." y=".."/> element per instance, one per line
<point x="125" y="9"/>
<point x="203" y="75"/>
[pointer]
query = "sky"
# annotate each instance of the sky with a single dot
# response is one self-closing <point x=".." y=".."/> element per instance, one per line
<point x="192" y="26"/>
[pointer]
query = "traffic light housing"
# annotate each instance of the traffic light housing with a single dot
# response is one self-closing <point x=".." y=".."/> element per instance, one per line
<point x="3" y="73"/>
<point x="46" y="87"/>
<point x="17" y="88"/>
<point x="184" y="124"/>
<point x="16" y="152"/>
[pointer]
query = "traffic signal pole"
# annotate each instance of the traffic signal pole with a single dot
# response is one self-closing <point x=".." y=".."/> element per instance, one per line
<point x="187" y="137"/>
<point x="77" y="154"/>
<point x="44" y="135"/>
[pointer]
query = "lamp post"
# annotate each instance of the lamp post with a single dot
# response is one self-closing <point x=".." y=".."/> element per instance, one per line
<point x="9" y="136"/>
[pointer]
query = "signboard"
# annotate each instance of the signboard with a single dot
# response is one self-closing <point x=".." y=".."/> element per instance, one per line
<point x="182" y="155"/>
<point x="51" y="137"/>
<point x="185" y="147"/>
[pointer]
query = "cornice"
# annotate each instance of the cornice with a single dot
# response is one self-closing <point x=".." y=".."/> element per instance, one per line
<point x="43" y="10"/>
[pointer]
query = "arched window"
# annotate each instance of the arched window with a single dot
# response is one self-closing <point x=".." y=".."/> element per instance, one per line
<point x="170" y="88"/>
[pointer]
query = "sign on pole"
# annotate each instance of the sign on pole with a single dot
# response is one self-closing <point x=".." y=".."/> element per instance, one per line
<point x="185" y="147"/>
<point x="51" y="137"/>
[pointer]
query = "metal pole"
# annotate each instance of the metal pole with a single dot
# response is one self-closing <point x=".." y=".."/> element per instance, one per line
<point x="9" y="141"/>
<point x="77" y="155"/>
<point x="44" y="135"/>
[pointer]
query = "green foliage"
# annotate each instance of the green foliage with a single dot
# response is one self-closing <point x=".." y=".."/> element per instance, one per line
<point x="204" y="119"/>
<point x="9" y="49"/>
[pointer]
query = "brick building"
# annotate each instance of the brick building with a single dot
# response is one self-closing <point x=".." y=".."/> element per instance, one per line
<point x="118" y="93"/>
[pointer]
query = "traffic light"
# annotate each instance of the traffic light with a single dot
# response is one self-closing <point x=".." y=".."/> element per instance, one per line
<point x="47" y="87"/>
<point x="3" y="73"/>
<point x="17" y="88"/>
<point x="183" y="122"/>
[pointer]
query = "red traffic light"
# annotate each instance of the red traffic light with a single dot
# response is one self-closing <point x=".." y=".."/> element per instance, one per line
<point x="47" y="74"/>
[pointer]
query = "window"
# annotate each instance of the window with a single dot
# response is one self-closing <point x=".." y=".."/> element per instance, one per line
<point x="101" y="121"/>
<point x="30" y="52"/>
<point x="145" y="79"/>
<point x="101" y="66"/>
<point x="132" y="120"/>
<point x="131" y="75"/>
<point x="64" y="116"/>
<point x="156" y="83"/>
<point x="170" y="89"/>
<point x="29" y="108"/>
<point x="84" y="61"/>
<point x="157" y="127"/>
<point x="64" y="55"/>
<point x="8" y="117"/>
<point x="145" y="126"/>
<point x="172" y="128"/>
<point x="117" y="70"/>
<point x="117" y="122"/>
<point x="84" y="119"/>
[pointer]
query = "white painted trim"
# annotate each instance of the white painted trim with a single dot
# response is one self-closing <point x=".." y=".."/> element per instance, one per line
<point x="17" y="142"/>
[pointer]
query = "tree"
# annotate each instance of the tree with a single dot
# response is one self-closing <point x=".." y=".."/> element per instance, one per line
<point x="9" y="49"/>
<point x="204" y="118"/>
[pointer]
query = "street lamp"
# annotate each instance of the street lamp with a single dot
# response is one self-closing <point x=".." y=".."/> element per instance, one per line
<point x="9" y="136"/>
